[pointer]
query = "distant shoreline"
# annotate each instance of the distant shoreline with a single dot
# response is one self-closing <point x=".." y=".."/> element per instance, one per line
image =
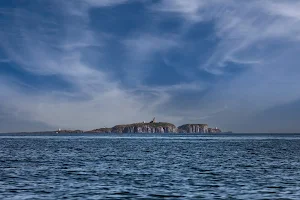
<point x="141" y="127"/>
<point x="95" y="133"/>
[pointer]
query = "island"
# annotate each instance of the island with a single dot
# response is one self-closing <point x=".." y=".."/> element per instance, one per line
<point x="150" y="127"/>
<point x="160" y="127"/>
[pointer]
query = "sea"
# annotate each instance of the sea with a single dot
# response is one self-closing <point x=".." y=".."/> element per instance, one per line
<point x="149" y="166"/>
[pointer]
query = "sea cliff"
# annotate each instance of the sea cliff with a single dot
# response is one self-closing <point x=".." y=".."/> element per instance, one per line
<point x="159" y="127"/>
<point x="193" y="128"/>
<point x="151" y="127"/>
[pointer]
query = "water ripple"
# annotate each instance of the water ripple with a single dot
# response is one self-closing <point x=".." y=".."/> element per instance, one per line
<point x="149" y="167"/>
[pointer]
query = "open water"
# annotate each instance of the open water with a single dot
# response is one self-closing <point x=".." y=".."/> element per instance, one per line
<point x="36" y="166"/>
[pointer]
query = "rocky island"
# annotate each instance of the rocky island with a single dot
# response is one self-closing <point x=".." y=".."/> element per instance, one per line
<point x="149" y="127"/>
<point x="156" y="127"/>
<point x="143" y="127"/>
<point x="160" y="127"/>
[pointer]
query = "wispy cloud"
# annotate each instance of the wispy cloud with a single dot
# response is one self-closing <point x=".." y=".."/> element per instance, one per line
<point x="257" y="34"/>
<point x="289" y="9"/>
<point x="259" y="37"/>
<point x="103" y="3"/>
<point x="105" y="102"/>
<point x="240" y="25"/>
<point x="188" y="9"/>
<point x="142" y="47"/>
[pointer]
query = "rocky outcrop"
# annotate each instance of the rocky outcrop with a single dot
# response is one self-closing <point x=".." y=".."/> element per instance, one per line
<point x="193" y="128"/>
<point x="159" y="127"/>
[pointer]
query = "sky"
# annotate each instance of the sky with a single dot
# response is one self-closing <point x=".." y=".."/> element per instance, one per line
<point x="86" y="64"/>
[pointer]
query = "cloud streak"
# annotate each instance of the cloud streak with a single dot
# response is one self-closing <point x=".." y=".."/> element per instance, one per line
<point x="102" y="101"/>
<point x="251" y="65"/>
<point x="247" y="32"/>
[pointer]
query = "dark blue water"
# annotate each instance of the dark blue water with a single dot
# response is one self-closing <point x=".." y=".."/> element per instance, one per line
<point x="149" y="166"/>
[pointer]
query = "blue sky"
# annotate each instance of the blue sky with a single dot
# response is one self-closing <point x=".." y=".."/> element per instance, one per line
<point x="92" y="63"/>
